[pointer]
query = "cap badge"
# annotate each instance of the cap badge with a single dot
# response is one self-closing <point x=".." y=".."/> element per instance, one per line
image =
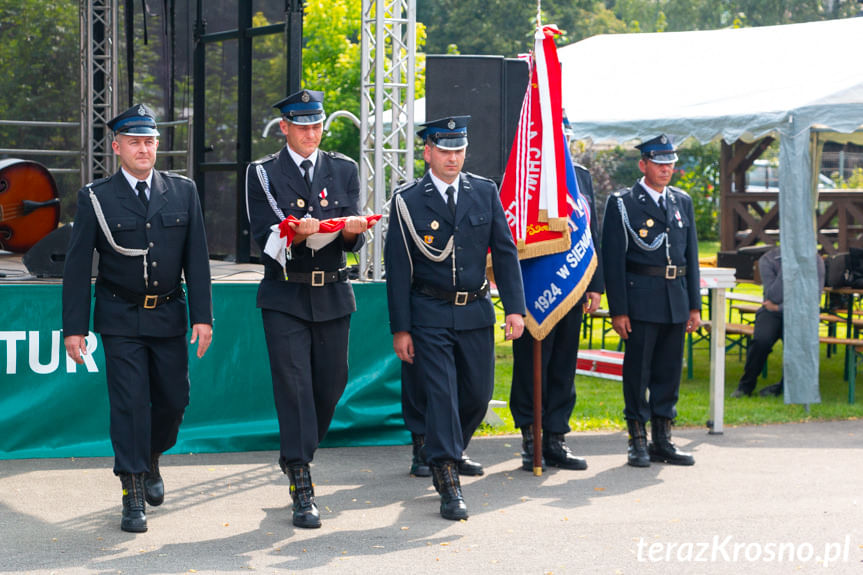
<point x="142" y="111"/>
<point x="663" y="139"/>
<point x="451" y="124"/>
<point x="305" y="97"/>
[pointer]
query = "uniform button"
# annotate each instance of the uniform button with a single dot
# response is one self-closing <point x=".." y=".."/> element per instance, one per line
<point x="156" y="283"/>
<point x="118" y="226"/>
<point x="152" y="244"/>
<point x="148" y="226"/>
<point x="155" y="264"/>
<point x="311" y="209"/>
<point x="461" y="269"/>
<point x="336" y="202"/>
<point x="178" y="220"/>
<point x="458" y="247"/>
<point x="456" y="228"/>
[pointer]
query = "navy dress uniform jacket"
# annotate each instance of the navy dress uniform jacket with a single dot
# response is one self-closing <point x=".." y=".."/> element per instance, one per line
<point x="173" y="228"/>
<point x="479" y="225"/>
<point x="306" y="327"/>
<point x="643" y="297"/>
<point x="658" y="307"/>
<point x="146" y="353"/>
<point x="448" y="387"/>
<point x="335" y="173"/>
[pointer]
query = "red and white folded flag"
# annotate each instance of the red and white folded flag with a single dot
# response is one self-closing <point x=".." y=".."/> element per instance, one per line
<point x="282" y="235"/>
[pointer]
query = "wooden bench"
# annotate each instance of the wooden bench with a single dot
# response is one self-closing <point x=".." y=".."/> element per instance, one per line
<point x="853" y="346"/>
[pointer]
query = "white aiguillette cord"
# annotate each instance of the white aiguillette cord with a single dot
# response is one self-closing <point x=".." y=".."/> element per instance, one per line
<point x="131" y="252"/>
<point x="427" y="250"/>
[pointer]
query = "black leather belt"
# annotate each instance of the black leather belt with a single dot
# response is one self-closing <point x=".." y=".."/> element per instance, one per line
<point x="454" y="297"/>
<point x="667" y="272"/>
<point x="315" y="278"/>
<point x="146" y="301"/>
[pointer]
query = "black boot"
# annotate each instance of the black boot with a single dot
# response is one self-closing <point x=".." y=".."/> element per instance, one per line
<point x="305" y="509"/>
<point x="661" y="448"/>
<point x="419" y="467"/>
<point x="154" y="487"/>
<point x="446" y="481"/>
<point x="637" y="453"/>
<point x="558" y="454"/>
<point x="467" y="466"/>
<point x="134" y="520"/>
<point x="527" y="449"/>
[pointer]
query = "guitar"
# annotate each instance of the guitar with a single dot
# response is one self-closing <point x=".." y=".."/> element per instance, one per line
<point x="29" y="206"/>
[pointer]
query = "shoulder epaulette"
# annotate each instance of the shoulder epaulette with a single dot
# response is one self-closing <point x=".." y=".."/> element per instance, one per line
<point x="266" y="159"/>
<point x="476" y="177"/>
<point x="338" y="156"/>
<point x="678" y="191"/>
<point x="96" y="183"/>
<point x="175" y="175"/>
<point x="405" y="186"/>
<point x="622" y="192"/>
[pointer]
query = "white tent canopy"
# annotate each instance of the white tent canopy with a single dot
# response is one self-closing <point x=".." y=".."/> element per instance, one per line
<point x="785" y="81"/>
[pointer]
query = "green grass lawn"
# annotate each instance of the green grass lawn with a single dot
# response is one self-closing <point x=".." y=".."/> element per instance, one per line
<point x="600" y="401"/>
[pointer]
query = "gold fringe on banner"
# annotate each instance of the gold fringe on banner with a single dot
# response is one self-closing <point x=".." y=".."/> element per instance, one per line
<point x="540" y="330"/>
<point x="545" y="248"/>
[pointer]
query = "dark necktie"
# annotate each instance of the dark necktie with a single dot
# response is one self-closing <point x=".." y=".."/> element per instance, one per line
<point x="142" y="193"/>
<point x="306" y="165"/>
<point x="450" y="200"/>
<point x="662" y="204"/>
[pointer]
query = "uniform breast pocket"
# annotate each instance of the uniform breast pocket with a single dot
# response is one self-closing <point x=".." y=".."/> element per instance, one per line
<point x="120" y="225"/>
<point x="175" y="219"/>
<point x="480" y="225"/>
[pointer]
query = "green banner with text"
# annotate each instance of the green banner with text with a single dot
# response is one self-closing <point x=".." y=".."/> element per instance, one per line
<point x="50" y="407"/>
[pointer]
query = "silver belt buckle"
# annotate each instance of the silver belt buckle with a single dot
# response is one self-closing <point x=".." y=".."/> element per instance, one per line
<point x="317" y="278"/>
<point x="461" y="298"/>
<point x="671" y="272"/>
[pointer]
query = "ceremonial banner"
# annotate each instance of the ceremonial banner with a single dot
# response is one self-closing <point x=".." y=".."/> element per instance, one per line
<point x="554" y="283"/>
<point x="533" y="193"/>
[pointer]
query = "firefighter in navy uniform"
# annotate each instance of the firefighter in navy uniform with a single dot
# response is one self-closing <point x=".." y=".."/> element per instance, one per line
<point x="305" y="298"/>
<point x="441" y="228"/>
<point x="559" y="358"/>
<point x="149" y="231"/>
<point x="650" y="258"/>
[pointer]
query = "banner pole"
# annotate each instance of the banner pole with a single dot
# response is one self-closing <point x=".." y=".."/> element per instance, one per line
<point x="537" y="407"/>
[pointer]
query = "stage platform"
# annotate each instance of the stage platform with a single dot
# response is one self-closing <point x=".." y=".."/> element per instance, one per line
<point x="49" y="407"/>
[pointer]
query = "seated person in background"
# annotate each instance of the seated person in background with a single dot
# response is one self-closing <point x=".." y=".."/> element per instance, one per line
<point x="768" y="324"/>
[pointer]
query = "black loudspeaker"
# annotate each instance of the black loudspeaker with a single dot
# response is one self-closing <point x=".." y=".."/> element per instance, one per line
<point x="490" y="90"/>
<point x="46" y="258"/>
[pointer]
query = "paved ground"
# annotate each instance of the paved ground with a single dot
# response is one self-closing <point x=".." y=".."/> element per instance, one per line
<point x="768" y="499"/>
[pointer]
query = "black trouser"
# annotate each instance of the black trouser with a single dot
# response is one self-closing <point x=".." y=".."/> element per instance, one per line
<point x="309" y="366"/>
<point x="148" y="390"/>
<point x="413" y="401"/>
<point x="559" y="349"/>
<point x="652" y="360"/>
<point x="454" y="372"/>
<point x="768" y="330"/>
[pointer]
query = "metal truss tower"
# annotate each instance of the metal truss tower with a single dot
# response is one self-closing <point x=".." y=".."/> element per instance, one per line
<point x="388" y="72"/>
<point x="98" y="25"/>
